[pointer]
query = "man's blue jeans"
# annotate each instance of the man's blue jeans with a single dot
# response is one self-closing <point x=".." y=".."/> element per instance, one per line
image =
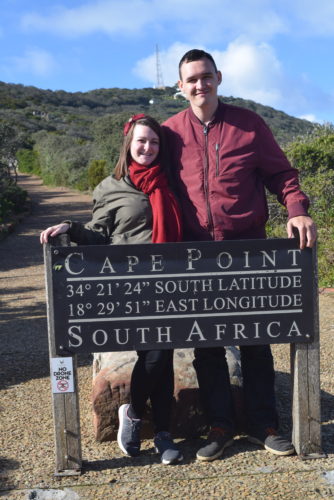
<point x="258" y="386"/>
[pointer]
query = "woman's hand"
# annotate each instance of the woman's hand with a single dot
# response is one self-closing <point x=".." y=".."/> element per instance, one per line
<point x="53" y="231"/>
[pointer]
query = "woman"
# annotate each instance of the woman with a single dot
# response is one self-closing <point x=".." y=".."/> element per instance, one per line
<point x="135" y="205"/>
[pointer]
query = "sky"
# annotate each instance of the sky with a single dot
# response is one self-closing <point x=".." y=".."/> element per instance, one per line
<point x="276" y="52"/>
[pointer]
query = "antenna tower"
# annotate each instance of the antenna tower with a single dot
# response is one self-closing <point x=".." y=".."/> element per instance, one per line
<point x="160" y="82"/>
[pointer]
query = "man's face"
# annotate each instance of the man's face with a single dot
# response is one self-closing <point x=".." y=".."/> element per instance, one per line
<point x="199" y="82"/>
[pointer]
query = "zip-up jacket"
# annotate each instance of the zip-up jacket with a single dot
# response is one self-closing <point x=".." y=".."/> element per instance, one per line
<point x="122" y="214"/>
<point x="221" y="171"/>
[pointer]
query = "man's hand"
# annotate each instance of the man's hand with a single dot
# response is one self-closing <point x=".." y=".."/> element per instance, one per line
<point x="306" y="229"/>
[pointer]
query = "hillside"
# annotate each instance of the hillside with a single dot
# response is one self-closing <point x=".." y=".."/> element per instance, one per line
<point x="30" y="109"/>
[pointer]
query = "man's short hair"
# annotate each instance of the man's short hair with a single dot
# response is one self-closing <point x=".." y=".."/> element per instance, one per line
<point x="196" y="55"/>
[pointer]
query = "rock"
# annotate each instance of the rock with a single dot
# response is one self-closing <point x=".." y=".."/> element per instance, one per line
<point x="111" y="388"/>
<point x="49" y="494"/>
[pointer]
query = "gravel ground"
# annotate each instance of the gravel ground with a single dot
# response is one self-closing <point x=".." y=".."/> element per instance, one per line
<point x="27" y="443"/>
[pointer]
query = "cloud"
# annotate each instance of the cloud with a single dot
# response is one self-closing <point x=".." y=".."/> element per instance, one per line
<point x="221" y="20"/>
<point x="251" y="71"/>
<point x="309" y="117"/>
<point x="105" y="16"/>
<point x="314" y="18"/>
<point x="36" y="61"/>
<point x="190" y="19"/>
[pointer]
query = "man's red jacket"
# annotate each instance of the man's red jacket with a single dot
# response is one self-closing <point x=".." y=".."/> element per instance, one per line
<point x="221" y="171"/>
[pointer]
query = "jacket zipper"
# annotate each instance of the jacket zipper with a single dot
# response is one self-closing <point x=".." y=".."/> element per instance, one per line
<point x="206" y="182"/>
<point x="217" y="160"/>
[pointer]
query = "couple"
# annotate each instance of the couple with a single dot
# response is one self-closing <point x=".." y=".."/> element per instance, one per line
<point x="220" y="159"/>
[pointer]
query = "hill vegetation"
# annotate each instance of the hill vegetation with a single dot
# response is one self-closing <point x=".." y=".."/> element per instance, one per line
<point x="73" y="139"/>
<point x="31" y="109"/>
<point x="63" y="136"/>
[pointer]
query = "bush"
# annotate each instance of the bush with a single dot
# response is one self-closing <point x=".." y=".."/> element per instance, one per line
<point x="313" y="156"/>
<point x="12" y="201"/>
<point x="17" y="197"/>
<point x="320" y="189"/>
<point x="313" y="152"/>
<point x="5" y="208"/>
<point x="81" y="182"/>
<point x="97" y="171"/>
<point x="28" y="161"/>
<point x="108" y="137"/>
<point x="63" y="159"/>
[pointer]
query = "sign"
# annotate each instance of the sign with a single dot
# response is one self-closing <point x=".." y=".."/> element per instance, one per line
<point x="62" y="379"/>
<point x="176" y="295"/>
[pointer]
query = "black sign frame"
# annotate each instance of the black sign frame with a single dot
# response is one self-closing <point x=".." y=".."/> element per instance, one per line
<point x="181" y="295"/>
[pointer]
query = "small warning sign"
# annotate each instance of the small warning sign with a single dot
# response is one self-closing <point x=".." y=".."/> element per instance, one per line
<point x="62" y="375"/>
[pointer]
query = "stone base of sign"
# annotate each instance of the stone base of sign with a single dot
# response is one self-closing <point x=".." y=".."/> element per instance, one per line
<point x="111" y="386"/>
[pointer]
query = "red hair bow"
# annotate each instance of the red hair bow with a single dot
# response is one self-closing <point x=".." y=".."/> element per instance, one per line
<point x="131" y="120"/>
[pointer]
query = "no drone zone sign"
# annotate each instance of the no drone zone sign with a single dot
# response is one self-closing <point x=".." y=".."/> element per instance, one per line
<point x="62" y="375"/>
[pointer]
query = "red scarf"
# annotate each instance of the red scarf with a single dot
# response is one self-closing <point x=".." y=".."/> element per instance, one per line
<point x="167" y="219"/>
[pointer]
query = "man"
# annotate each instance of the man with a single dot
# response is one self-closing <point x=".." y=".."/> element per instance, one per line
<point x="223" y="157"/>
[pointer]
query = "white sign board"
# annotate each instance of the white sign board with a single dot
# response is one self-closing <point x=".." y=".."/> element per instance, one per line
<point x="62" y="375"/>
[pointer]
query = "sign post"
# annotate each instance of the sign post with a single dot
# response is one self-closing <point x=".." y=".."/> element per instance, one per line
<point x="305" y="374"/>
<point x="186" y="295"/>
<point x="65" y="398"/>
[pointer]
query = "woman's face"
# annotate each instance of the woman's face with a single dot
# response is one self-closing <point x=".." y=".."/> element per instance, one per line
<point x="144" y="146"/>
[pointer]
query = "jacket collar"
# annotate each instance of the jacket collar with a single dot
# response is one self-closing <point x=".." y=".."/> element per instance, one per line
<point x="217" y="117"/>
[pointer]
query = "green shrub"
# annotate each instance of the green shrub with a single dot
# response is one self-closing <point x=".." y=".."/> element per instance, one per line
<point x="81" y="183"/>
<point x="12" y="201"/>
<point x="17" y="197"/>
<point x="313" y="156"/>
<point x="313" y="152"/>
<point x="28" y="161"/>
<point x="320" y="189"/>
<point x="97" y="171"/>
<point x="63" y="159"/>
<point x="6" y="207"/>
<point x="326" y="256"/>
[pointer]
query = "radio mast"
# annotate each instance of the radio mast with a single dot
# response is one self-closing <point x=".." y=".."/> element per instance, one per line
<point x="160" y="82"/>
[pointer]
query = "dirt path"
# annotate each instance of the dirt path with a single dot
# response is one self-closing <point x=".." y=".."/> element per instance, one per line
<point x="21" y="261"/>
<point x="27" y="446"/>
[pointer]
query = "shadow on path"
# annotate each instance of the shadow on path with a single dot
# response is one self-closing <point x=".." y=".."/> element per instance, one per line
<point x="23" y="326"/>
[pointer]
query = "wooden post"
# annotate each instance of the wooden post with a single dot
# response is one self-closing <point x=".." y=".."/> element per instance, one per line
<point x="305" y="378"/>
<point x="65" y="406"/>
